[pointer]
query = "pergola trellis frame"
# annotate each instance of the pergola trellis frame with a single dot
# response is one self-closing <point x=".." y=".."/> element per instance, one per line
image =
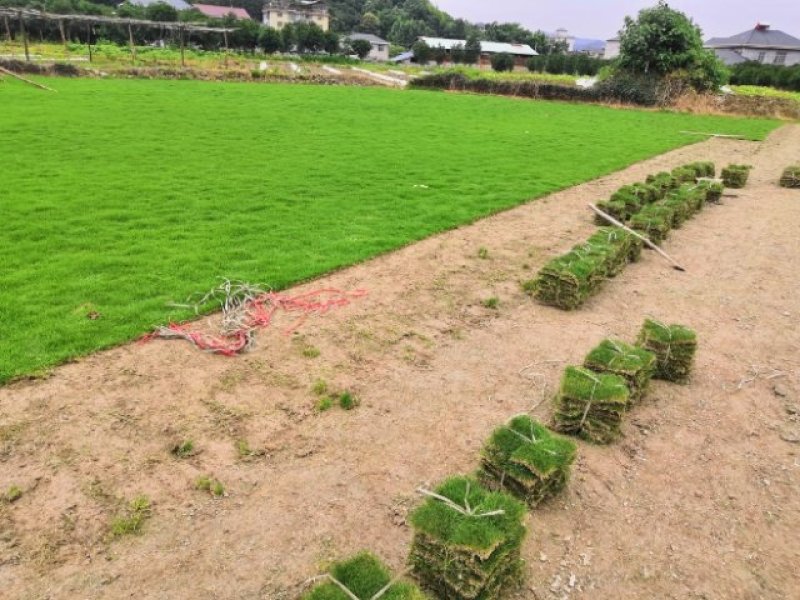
<point x="23" y="14"/>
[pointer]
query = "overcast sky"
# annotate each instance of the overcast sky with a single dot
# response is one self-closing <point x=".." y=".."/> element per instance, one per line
<point x="601" y="19"/>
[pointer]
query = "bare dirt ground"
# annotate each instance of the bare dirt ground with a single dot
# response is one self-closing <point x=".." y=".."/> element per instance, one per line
<point x="701" y="499"/>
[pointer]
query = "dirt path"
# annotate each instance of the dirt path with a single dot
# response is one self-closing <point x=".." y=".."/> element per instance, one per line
<point x="701" y="499"/>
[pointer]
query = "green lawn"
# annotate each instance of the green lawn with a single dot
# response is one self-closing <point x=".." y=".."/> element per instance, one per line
<point x="119" y="196"/>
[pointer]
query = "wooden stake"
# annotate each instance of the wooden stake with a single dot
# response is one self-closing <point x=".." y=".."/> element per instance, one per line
<point x="28" y="81"/>
<point x="63" y="34"/>
<point x="650" y="244"/>
<point x="8" y="28"/>
<point x="183" y="59"/>
<point x="716" y="135"/>
<point x="24" y="36"/>
<point x="130" y="40"/>
<point x="89" y="39"/>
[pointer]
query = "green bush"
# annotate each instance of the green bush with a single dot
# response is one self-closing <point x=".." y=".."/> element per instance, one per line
<point x="503" y="62"/>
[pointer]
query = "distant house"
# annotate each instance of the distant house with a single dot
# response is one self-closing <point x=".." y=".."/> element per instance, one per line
<point x="380" y="47"/>
<point x="762" y="44"/>
<point x="176" y="4"/>
<point x="220" y="12"/>
<point x="612" y="49"/>
<point x="520" y="52"/>
<point x="562" y="35"/>
<point x="279" y="13"/>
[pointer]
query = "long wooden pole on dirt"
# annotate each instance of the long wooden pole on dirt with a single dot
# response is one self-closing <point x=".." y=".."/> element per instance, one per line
<point x="24" y="36"/>
<point x="28" y="81"/>
<point x="650" y="244"/>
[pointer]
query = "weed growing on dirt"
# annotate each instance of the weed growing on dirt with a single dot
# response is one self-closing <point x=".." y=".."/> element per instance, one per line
<point x="311" y="352"/>
<point x="12" y="494"/>
<point x="348" y="401"/>
<point x="320" y="387"/>
<point x="83" y="236"/>
<point x="183" y="449"/>
<point x="491" y="303"/>
<point x="205" y="483"/>
<point x="483" y="253"/>
<point x="324" y="404"/>
<point x="133" y="518"/>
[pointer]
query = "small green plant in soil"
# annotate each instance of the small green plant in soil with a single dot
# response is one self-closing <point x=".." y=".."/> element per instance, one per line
<point x="183" y="449"/>
<point x="311" y="352"/>
<point x="133" y="518"/>
<point x="243" y="449"/>
<point x="491" y="303"/>
<point x="483" y="253"/>
<point x="13" y="494"/>
<point x="324" y="404"/>
<point x="205" y="483"/>
<point x="348" y="401"/>
<point x="320" y="387"/>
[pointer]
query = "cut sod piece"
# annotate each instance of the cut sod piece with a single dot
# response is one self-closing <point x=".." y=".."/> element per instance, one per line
<point x="635" y="364"/>
<point x="567" y="281"/>
<point x="364" y="576"/>
<point x="527" y="459"/>
<point x="618" y="246"/>
<point x="703" y="168"/>
<point x="615" y="208"/>
<point x="712" y="190"/>
<point x="467" y="541"/>
<point x="791" y="177"/>
<point x="685" y="174"/>
<point x="654" y="222"/>
<point x="735" y="176"/>
<point x="591" y="405"/>
<point x="663" y="182"/>
<point x="674" y="347"/>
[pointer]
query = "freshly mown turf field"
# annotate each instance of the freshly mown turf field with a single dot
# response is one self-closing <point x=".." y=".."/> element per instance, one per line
<point x="119" y="196"/>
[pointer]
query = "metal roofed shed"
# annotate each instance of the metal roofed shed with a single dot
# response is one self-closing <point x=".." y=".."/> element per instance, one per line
<point x="176" y="4"/>
<point x="520" y="52"/>
<point x="379" y="47"/>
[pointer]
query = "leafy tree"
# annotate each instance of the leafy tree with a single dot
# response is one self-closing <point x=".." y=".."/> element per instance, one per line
<point x="361" y="48"/>
<point x="661" y="41"/>
<point x="332" y="45"/>
<point x="370" y="23"/>
<point x="422" y="52"/>
<point x="457" y="54"/>
<point x="502" y="62"/>
<point x="288" y="39"/>
<point x="270" y="40"/>
<point x="309" y="37"/>
<point x="472" y="51"/>
<point x="161" y="11"/>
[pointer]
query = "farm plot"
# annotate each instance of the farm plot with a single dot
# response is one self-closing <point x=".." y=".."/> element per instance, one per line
<point x="121" y="196"/>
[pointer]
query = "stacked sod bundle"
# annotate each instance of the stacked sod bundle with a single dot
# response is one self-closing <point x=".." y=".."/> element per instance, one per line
<point x="654" y="222"/>
<point x="618" y="246"/>
<point x="591" y="405"/>
<point x="713" y="190"/>
<point x="791" y="177"/>
<point x="663" y="182"/>
<point x="674" y="347"/>
<point x="735" y="176"/>
<point x="467" y="541"/>
<point x="568" y="280"/>
<point x="628" y="200"/>
<point x="528" y="460"/>
<point x="636" y="365"/>
<point x="366" y="578"/>
<point x="685" y="174"/>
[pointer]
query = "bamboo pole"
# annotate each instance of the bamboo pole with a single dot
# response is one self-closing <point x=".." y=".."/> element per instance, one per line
<point x="183" y="58"/>
<point x="89" y="39"/>
<point x="28" y="81"/>
<point x="62" y="32"/>
<point x="8" y="28"/>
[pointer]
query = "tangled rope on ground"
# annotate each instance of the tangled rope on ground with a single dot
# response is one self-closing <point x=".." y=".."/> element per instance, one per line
<point x="246" y="308"/>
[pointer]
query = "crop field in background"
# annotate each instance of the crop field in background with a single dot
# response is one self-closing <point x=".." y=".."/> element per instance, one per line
<point x="120" y="196"/>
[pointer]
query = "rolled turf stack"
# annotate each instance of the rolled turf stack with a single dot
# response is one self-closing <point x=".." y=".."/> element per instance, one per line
<point x="636" y="365"/>
<point x="591" y="405"/>
<point x="735" y="176"/>
<point x="664" y="182"/>
<point x="568" y="280"/>
<point x="674" y="347"/>
<point x="467" y="541"/>
<point x="703" y="169"/>
<point x="619" y="246"/>
<point x="791" y="177"/>
<point x="685" y="174"/>
<point x="654" y="222"/>
<point x="526" y="459"/>
<point x="364" y="576"/>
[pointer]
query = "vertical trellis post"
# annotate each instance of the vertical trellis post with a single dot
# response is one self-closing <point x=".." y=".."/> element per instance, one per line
<point x="62" y="32"/>
<point x="89" y="39"/>
<point x="130" y="40"/>
<point x="183" y="48"/>
<point x="8" y="28"/>
<point x="24" y="36"/>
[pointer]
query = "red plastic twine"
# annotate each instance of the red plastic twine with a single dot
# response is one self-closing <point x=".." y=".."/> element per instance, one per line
<point x="259" y="313"/>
